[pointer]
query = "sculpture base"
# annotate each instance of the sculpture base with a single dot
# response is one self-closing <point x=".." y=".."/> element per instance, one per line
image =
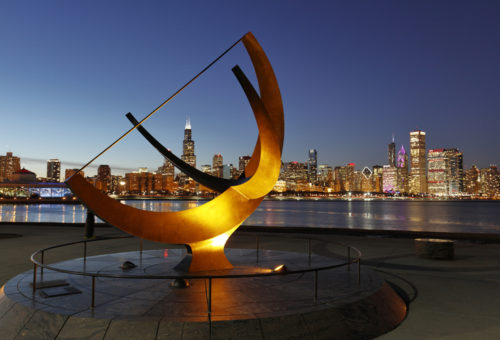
<point x="272" y="307"/>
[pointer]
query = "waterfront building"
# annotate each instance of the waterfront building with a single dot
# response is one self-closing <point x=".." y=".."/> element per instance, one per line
<point x="437" y="172"/>
<point x="390" y="179"/>
<point x="139" y="182"/>
<point x="418" y="179"/>
<point x="23" y="176"/>
<point x="377" y="178"/>
<point x="402" y="167"/>
<point x="167" y="168"/>
<point x="243" y="162"/>
<point x="9" y="164"/>
<point x="391" y="153"/>
<point x="472" y="183"/>
<point x="103" y="180"/>
<point x="280" y="186"/>
<point x="217" y="163"/>
<point x="490" y="181"/>
<point x="293" y="171"/>
<point x="227" y="171"/>
<point x="206" y="168"/>
<point x="312" y="166"/>
<point x="70" y="172"/>
<point x="325" y="175"/>
<point x="54" y="170"/>
<point x="367" y="180"/>
<point x="339" y="178"/>
<point x="188" y="155"/>
<point x="455" y="171"/>
<point x="349" y="177"/>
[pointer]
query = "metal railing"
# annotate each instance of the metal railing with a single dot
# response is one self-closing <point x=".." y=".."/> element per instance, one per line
<point x="191" y="276"/>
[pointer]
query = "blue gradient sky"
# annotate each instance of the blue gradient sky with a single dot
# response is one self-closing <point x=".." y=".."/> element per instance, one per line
<point x="352" y="73"/>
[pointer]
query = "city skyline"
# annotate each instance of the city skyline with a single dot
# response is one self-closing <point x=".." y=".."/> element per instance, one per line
<point x="71" y="71"/>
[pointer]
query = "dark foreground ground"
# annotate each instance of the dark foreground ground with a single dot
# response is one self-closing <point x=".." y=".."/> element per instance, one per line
<point x="456" y="299"/>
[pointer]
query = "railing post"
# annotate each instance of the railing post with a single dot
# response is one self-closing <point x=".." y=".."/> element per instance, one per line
<point x="309" y="250"/>
<point x="210" y="307"/>
<point x="34" y="278"/>
<point x="348" y="258"/>
<point x="315" y="285"/>
<point x="93" y="292"/>
<point x="257" y="248"/>
<point x="41" y="268"/>
<point x="85" y="251"/>
<point x="359" y="271"/>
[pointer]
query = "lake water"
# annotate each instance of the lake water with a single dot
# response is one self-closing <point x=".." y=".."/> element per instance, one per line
<point x="443" y="216"/>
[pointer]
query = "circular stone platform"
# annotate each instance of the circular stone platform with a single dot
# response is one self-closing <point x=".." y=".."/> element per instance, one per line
<point x="277" y="307"/>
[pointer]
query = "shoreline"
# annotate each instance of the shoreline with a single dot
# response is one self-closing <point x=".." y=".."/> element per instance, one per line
<point x="403" y="234"/>
<point x="24" y="201"/>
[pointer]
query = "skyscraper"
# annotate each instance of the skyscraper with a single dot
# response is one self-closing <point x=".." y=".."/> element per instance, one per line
<point x="9" y="164"/>
<point x="167" y="168"/>
<point x="437" y="172"/>
<point x="188" y="155"/>
<point x="418" y="179"/>
<point x="243" y="161"/>
<point x="455" y="171"/>
<point x="217" y="165"/>
<point x="53" y="170"/>
<point x="312" y="166"/>
<point x="402" y="167"/>
<point x="391" y="153"/>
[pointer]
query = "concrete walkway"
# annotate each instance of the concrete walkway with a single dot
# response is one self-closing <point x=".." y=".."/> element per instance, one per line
<point x="456" y="299"/>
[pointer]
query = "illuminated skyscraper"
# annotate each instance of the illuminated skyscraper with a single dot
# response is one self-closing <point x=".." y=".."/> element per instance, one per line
<point x="167" y="168"/>
<point x="217" y="165"/>
<point x="312" y="166"/>
<point x="243" y="161"/>
<point x="455" y="171"/>
<point x="390" y="178"/>
<point x="418" y="179"/>
<point x="53" y="170"/>
<point x="437" y="172"/>
<point x="402" y="167"/>
<point x="188" y="155"/>
<point x="391" y="153"/>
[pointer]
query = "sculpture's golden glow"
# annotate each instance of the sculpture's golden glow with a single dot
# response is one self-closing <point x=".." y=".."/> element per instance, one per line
<point x="205" y="229"/>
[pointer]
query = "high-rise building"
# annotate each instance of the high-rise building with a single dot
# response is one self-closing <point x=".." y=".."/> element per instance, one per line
<point x="418" y="179"/>
<point x="53" y="170"/>
<point x="188" y="155"/>
<point x="9" y="164"/>
<point x="206" y="168"/>
<point x="243" y="162"/>
<point x="472" y="184"/>
<point x="490" y="181"/>
<point x="312" y="166"/>
<point x="103" y="181"/>
<point x="70" y="172"/>
<point x="390" y="179"/>
<point x="455" y="171"/>
<point x="402" y="167"/>
<point x="391" y="153"/>
<point x="167" y="168"/>
<point x="349" y="177"/>
<point x="437" y="172"/>
<point x="217" y="165"/>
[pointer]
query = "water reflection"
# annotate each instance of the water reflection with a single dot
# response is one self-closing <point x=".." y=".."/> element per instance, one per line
<point x="404" y="215"/>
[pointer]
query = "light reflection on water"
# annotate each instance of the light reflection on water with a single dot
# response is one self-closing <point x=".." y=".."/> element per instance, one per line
<point x="467" y="216"/>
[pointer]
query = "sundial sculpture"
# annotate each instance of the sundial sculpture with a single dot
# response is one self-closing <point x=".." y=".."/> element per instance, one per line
<point x="206" y="228"/>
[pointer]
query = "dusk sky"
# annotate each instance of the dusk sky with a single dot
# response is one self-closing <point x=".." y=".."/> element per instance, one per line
<point x="351" y="74"/>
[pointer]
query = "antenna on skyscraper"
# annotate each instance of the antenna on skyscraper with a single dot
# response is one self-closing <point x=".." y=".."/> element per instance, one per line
<point x="393" y="137"/>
